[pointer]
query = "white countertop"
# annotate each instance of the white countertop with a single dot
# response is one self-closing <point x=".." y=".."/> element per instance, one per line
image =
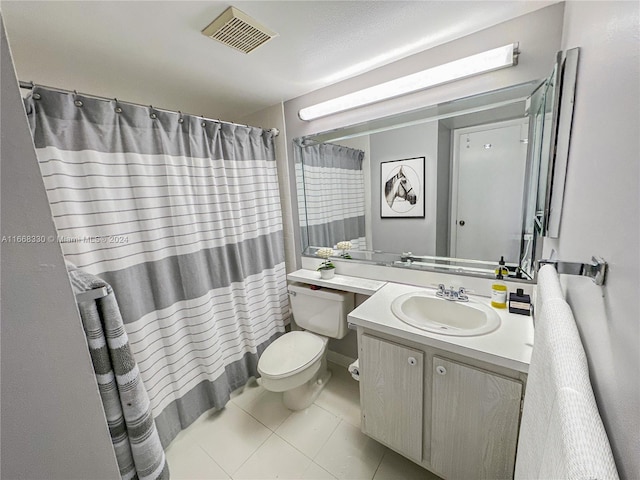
<point x="509" y="346"/>
<point x="345" y="283"/>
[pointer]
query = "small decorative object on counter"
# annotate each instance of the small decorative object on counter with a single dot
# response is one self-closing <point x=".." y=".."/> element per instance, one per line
<point x="344" y="247"/>
<point x="520" y="303"/>
<point x="327" y="269"/>
<point x="499" y="288"/>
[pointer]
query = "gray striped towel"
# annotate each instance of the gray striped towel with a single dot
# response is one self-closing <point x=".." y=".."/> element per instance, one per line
<point x="125" y="400"/>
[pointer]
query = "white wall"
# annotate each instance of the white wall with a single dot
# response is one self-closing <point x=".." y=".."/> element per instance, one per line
<point x="539" y="34"/>
<point x="400" y="234"/>
<point x="53" y="424"/>
<point x="602" y="209"/>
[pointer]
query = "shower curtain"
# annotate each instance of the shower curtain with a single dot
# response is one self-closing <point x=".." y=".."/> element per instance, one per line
<point x="331" y="192"/>
<point x="181" y="216"/>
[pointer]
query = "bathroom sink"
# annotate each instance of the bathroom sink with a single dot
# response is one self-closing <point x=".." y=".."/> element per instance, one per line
<point x="426" y="311"/>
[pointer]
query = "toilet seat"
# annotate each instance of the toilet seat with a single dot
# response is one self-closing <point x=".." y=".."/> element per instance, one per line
<point x="292" y="353"/>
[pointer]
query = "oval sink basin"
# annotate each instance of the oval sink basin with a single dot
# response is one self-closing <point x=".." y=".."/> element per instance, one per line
<point x="426" y="311"/>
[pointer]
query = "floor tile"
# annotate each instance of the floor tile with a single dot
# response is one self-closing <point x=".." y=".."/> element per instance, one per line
<point x="229" y="443"/>
<point x="268" y="409"/>
<point x="341" y="396"/>
<point x="349" y="454"/>
<point x="230" y="436"/>
<point x="188" y="461"/>
<point x="309" y="429"/>
<point x="316" y="472"/>
<point x="245" y="395"/>
<point x="396" y="467"/>
<point x="274" y="459"/>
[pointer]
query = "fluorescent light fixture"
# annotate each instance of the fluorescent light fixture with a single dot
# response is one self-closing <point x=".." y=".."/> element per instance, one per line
<point x="488" y="61"/>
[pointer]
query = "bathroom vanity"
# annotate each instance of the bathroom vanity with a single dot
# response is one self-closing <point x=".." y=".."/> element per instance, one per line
<point x="450" y="403"/>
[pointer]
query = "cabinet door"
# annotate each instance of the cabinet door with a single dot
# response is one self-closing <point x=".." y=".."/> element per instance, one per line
<point x="391" y="386"/>
<point x="475" y="417"/>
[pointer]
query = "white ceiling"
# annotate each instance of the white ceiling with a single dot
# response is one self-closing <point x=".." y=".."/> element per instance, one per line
<point x="152" y="52"/>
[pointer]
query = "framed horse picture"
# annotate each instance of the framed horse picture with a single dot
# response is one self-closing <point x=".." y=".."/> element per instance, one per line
<point x="402" y="193"/>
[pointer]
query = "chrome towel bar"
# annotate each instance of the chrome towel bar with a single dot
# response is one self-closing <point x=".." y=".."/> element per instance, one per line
<point x="596" y="270"/>
<point x="91" y="295"/>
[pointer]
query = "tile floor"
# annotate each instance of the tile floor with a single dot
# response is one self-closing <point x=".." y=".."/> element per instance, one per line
<point x="255" y="437"/>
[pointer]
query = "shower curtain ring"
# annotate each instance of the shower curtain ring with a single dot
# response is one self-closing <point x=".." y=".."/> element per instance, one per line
<point x="180" y="119"/>
<point x="76" y="102"/>
<point x="117" y="109"/>
<point x="153" y="115"/>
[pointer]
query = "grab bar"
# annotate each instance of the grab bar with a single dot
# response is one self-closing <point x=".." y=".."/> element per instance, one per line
<point x="596" y="270"/>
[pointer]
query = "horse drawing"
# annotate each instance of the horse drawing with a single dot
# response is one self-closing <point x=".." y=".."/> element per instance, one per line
<point x="399" y="186"/>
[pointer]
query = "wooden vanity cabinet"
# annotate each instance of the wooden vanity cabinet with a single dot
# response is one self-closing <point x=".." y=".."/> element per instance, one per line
<point x="454" y="415"/>
<point x="392" y="395"/>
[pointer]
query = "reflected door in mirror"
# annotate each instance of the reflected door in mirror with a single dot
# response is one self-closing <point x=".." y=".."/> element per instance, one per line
<point x="489" y="166"/>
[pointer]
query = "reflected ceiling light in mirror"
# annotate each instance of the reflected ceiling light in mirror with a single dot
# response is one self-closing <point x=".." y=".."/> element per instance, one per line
<point x="495" y="59"/>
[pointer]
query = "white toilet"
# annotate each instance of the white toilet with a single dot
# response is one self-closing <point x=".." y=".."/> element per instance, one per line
<point x="295" y="363"/>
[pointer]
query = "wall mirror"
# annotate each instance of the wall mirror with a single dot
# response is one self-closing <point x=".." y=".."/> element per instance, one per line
<point x="452" y="187"/>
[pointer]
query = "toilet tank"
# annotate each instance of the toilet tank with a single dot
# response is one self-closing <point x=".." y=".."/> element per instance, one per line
<point x="321" y="311"/>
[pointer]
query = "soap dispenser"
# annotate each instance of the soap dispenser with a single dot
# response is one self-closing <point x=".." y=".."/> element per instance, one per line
<point x="499" y="288"/>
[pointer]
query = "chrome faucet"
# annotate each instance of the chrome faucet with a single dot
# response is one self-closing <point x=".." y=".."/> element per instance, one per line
<point x="452" y="294"/>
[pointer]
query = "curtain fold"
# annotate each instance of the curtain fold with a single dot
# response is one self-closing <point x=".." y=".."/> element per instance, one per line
<point x="125" y="400"/>
<point x="331" y="194"/>
<point x="181" y="216"/>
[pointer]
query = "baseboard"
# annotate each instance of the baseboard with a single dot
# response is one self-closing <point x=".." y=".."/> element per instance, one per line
<point x="339" y="359"/>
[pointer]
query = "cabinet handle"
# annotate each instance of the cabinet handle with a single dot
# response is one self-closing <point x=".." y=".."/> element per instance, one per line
<point x="412" y="361"/>
<point x="440" y="370"/>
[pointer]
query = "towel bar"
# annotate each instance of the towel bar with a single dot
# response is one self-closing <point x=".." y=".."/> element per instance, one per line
<point x="596" y="270"/>
<point x="91" y="295"/>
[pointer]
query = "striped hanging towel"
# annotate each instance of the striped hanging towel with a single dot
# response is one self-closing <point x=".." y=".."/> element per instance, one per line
<point x="125" y="400"/>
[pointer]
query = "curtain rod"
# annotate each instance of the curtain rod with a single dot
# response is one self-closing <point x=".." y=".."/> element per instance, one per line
<point x="30" y="85"/>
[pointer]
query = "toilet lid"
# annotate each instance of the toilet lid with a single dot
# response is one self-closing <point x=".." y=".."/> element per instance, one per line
<point x="290" y="353"/>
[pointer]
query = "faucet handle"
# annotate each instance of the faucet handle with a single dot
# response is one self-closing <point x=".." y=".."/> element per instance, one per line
<point x="462" y="294"/>
<point x="441" y="289"/>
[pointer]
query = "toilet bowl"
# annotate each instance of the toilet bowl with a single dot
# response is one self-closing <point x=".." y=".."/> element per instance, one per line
<point x="295" y="364"/>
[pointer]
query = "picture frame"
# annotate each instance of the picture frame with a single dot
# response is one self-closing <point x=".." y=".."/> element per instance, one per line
<point x="402" y="188"/>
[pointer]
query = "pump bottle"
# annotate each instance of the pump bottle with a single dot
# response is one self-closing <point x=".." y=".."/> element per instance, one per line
<point x="499" y="288"/>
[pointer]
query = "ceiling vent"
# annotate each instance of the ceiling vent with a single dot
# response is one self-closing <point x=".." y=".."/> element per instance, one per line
<point x="238" y="30"/>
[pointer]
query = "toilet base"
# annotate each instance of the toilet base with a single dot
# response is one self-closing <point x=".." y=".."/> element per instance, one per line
<point x="303" y="396"/>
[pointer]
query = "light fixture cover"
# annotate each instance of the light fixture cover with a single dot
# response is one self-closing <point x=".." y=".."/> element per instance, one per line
<point x="488" y="61"/>
<point x="238" y="30"/>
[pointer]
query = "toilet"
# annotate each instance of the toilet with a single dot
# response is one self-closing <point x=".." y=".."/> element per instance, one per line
<point x="295" y="364"/>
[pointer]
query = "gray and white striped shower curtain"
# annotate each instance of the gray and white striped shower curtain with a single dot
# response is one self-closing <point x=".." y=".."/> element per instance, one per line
<point x="181" y="216"/>
<point x="330" y="185"/>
